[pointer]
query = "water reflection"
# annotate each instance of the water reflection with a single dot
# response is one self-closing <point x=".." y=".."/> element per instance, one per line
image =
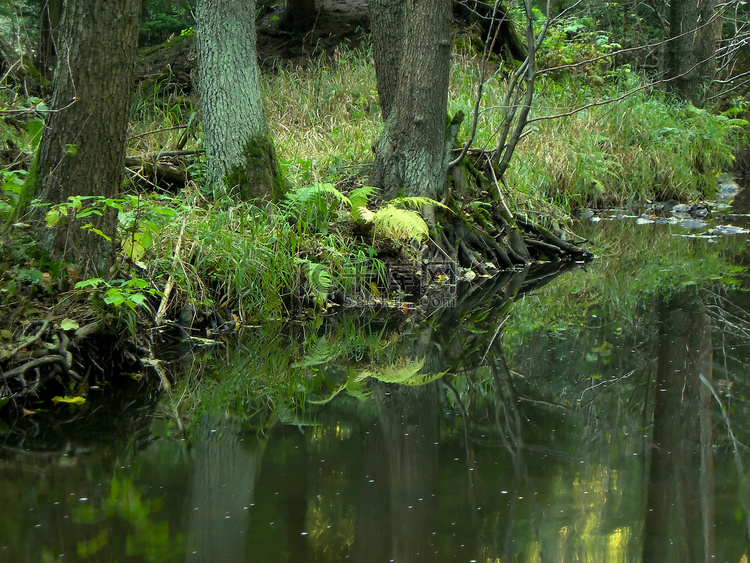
<point x="611" y="440"/>
<point x="680" y="503"/>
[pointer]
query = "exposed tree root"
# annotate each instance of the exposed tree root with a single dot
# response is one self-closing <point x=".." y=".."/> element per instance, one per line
<point x="53" y="359"/>
<point x="482" y="234"/>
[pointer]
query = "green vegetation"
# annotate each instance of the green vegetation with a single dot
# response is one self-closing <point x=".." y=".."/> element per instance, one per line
<point x="216" y="263"/>
<point x="636" y="266"/>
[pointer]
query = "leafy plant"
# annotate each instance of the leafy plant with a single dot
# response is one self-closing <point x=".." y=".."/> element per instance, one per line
<point x="392" y="220"/>
<point x="118" y="293"/>
<point x="11" y="191"/>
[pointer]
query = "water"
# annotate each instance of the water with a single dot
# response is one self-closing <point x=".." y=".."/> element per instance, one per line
<point x="574" y="415"/>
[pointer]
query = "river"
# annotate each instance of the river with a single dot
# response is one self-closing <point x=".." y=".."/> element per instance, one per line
<point x="556" y="414"/>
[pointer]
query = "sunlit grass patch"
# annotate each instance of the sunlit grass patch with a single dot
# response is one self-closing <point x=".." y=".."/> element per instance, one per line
<point x="324" y="115"/>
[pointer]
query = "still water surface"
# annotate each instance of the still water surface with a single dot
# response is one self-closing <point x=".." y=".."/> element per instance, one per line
<point x="553" y="422"/>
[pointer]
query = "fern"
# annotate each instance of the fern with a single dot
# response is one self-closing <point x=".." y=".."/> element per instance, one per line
<point x="403" y="372"/>
<point x="308" y="194"/>
<point x="321" y="353"/>
<point x="401" y="224"/>
<point x="358" y="200"/>
<point x="354" y="386"/>
<point x="318" y="275"/>
<point x="417" y="202"/>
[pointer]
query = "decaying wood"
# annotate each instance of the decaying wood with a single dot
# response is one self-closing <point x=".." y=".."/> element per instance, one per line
<point x="162" y="172"/>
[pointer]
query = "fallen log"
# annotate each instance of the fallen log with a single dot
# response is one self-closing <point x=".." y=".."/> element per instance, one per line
<point x="159" y="172"/>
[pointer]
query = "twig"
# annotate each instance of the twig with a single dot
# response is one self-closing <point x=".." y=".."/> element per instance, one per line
<point x="154" y="132"/>
<point x="161" y="311"/>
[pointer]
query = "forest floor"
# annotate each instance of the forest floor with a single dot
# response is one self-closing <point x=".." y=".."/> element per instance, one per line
<point x="339" y="22"/>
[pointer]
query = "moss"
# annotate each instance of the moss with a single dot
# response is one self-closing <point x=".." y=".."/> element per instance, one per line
<point x="260" y="174"/>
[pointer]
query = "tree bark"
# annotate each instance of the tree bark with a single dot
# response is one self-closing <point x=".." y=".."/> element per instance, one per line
<point x="49" y="20"/>
<point x="239" y="150"/>
<point x="300" y="15"/>
<point x="410" y="155"/>
<point x="387" y="45"/>
<point x="694" y="30"/>
<point x="83" y="147"/>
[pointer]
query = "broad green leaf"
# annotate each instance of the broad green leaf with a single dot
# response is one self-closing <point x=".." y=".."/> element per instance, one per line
<point x="35" y="128"/>
<point x="68" y="324"/>
<point x="133" y="249"/>
<point x="138" y="298"/>
<point x="93" y="282"/>
<point x="54" y="216"/>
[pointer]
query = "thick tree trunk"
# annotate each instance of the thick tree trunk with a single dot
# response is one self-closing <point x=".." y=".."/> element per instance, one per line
<point x="83" y="146"/>
<point x="694" y="30"/>
<point x="239" y="149"/>
<point x="680" y="462"/>
<point x="222" y="487"/>
<point x="387" y="45"/>
<point x="410" y="156"/>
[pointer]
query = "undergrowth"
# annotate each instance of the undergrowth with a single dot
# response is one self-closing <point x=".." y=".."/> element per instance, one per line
<point x="325" y="119"/>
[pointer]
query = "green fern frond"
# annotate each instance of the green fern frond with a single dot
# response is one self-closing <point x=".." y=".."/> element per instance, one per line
<point x="403" y="372"/>
<point x="360" y="196"/>
<point x="321" y="353"/>
<point x="358" y="199"/>
<point x="318" y="276"/>
<point x="306" y="194"/>
<point x="400" y="224"/>
<point x="416" y="202"/>
<point x="354" y="386"/>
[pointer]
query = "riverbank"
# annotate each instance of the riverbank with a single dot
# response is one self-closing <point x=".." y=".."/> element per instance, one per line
<point x="196" y="266"/>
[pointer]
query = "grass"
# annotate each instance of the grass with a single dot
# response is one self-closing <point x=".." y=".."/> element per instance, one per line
<point x="324" y="115"/>
<point x="325" y="120"/>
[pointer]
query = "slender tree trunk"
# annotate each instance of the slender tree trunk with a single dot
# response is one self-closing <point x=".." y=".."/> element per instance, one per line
<point x="410" y="155"/>
<point x="49" y="20"/>
<point x="83" y="146"/>
<point x="239" y="150"/>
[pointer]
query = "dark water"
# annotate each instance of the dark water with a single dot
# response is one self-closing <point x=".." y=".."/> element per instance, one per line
<point x="596" y="415"/>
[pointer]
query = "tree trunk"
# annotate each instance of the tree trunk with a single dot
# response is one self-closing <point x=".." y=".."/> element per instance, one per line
<point x="83" y="146"/>
<point x="690" y="64"/>
<point x="222" y="488"/>
<point x="410" y="155"/>
<point x="239" y="150"/>
<point x="494" y="23"/>
<point x="49" y="20"/>
<point x="677" y="505"/>
<point x="387" y="45"/>
<point x="300" y="15"/>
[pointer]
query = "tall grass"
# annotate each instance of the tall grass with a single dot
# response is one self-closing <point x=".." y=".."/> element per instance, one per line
<point x="325" y="120"/>
<point x="324" y="115"/>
